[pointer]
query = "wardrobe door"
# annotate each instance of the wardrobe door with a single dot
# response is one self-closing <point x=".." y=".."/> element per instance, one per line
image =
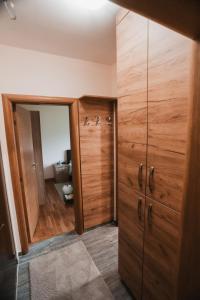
<point x="131" y="231"/>
<point x="166" y="170"/>
<point x="132" y="166"/>
<point x="132" y="101"/>
<point x="168" y="113"/>
<point x="161" y="252"/>
<point x="132" y="56"/>
<point x="132" y="146"/>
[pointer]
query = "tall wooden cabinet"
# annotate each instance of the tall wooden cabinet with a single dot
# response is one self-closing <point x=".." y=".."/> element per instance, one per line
<point x="154" y="80"/>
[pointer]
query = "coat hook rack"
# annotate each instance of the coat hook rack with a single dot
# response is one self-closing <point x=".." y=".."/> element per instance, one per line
<point x="86" y="122"/>
<point x="97" y="120"/>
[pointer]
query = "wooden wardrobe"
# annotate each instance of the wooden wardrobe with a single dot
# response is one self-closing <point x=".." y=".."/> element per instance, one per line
<point x="154" y="67"/>
<point x="97" y="142"/>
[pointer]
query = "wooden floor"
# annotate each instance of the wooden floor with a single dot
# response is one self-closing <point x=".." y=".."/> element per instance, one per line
<point x="55" y="217"/>
<point x="101" y="243"/>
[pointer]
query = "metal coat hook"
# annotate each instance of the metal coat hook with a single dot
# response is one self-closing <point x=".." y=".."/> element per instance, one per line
<point x="97" y="120"/>
<point x="86" y="122"/>
<point x="109" y="119"/>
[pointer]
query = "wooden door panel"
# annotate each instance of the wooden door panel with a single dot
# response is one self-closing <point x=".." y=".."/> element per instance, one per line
<point x="130" y="157"/>
<point x="168" y="178"/>
<point x="27" y="167"/>
<point x="132" y="118"/>
<point x="161" y="252"/>
<point x="131" y="230"/>
<point x="132" y="55"/>
<point x="169" y="69"/>
<point x="37" y="146"/>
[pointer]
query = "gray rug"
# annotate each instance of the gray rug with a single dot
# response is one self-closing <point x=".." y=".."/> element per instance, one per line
<point x="68" y="273"/>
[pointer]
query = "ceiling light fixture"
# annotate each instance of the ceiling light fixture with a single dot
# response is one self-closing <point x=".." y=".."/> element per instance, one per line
<point x="9" y="5"/>
<point x="92" y="4"/>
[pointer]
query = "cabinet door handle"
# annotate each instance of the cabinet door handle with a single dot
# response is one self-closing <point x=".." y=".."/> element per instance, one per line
<point x="2" y="226"/>
<point x="139" y="208"/>
<point x="151" y="179"/>
<point x="150" y="208"/>
<point x="140" y="177"/>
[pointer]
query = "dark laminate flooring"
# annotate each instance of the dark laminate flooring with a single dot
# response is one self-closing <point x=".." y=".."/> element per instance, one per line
<point x="102" y="244"/>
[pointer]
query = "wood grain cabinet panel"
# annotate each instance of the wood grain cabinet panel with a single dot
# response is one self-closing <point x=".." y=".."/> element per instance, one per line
<point x="166" y="183"/>
<point x="132" y="55"/>
<point x="131" y="229"/>
<point x="132" y="118"/>
<point x="132" y="166"/>
<point x="161" y="252"/>
<point x="169" y="71"/>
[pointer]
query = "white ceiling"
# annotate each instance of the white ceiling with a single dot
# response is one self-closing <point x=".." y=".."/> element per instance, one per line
<point x="61" y="27"/>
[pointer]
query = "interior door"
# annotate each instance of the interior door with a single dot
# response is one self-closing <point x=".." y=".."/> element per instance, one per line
<point x="161" y="252"/>
<point x="37" y="145"/>
<point x="27" y="168"/>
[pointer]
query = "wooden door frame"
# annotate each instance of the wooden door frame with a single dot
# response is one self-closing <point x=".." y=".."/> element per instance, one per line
<point x="8" y="101"/>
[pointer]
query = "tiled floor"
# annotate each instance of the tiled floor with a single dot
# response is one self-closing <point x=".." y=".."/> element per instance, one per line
<point x="101" y="243"/>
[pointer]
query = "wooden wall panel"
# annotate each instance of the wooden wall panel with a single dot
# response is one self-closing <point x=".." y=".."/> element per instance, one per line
<point x="97" y="161"/>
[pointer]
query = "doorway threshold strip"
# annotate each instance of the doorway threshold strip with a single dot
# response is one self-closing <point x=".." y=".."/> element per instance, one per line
<point x="67" y="273"/>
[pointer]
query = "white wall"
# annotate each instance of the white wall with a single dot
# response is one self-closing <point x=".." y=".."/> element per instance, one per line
<point x="31" y="72"/>
<point x="55" y="134"/>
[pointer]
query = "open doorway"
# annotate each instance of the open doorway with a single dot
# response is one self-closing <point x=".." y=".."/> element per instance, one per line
<point x="66" y="192"/>
<point x="49" y="197"/>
